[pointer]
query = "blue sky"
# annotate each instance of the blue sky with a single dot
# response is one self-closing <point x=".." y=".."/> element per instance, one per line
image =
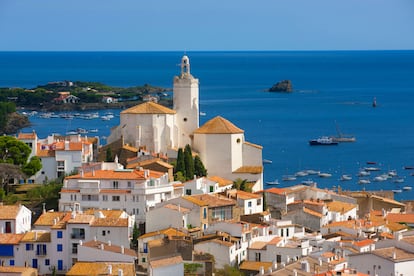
<point x="184" y="25"/>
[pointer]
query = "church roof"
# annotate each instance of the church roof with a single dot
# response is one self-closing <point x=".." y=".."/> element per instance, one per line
<point x="218" y="125"/>
<point x="148" y="108"/>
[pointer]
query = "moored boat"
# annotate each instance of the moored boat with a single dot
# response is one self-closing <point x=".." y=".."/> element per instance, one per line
<point x="324" y="174"/>
<point x="364" y="181"/>
<point x="274" y="182"/>
<point x="345" y="177"/>
<point x="323" y="141"/>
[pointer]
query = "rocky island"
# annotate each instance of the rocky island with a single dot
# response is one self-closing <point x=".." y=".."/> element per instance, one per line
<point x="282" y="86"/>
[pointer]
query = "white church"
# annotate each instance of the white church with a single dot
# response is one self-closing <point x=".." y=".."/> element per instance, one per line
<point x="219" y="143"/>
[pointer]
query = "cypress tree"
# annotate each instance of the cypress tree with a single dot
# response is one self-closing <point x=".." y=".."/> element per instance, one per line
<point x="180" y="164"/>
<point x="199" y="168"/>
<point x="189" y="162"/>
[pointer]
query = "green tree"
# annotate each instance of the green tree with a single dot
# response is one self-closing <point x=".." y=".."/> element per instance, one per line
<point x="13" y="151"/>
<point x="189" y="162"/>
<point x="180" y="165"/>
<point x="8" y="172"/>
<point x="109" y="157"/>
<point x="228" y="270"/>
<point x="199" y="168"/>
<point x="135" y="234"/>
<point x="179" y="177"/>
<point x="240" y="184"/>
<point x="33" y="166"/>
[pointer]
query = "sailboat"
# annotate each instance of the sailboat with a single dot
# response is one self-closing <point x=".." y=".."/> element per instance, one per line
<point x="374" y="102"/>
<point x="342" y="137"/>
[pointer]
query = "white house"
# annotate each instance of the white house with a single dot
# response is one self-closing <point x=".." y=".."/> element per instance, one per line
<point x="15" y="219"/>
<point x="98" y="251"/>
<point x="166" y="266"/>
<point x="224" y="250"/>
<point x="383" y="261"/>
<point x="59" y="155"/>
<point x="205" y="185"/>
<point x="131" y="190"/>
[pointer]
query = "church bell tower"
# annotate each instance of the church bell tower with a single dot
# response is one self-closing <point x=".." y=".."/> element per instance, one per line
<point x="186" y="103"/>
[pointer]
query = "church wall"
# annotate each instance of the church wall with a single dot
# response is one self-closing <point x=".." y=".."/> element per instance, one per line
<point x="252" y="156"/>
<point x="236" y="142"/>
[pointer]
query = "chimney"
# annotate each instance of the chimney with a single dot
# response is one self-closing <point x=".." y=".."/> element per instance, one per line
<point x="110" y="269"/>
<point x="146" y="173"/>
<point x="122" y="249"/>
<point x="67" y="143"/>
<point x="81" y="173"/>
<point x="80" y="242"/>
<point x="93" y="171"/>
<point x="274" y="265"/>
<point x="120" y="272"/>
<point x="261" y="270"/>
<point x="102" y="246"/>
<point x="394" y="255"/>
<point x="109" y="243"/>
<point x="94" y="238"/>
<point x="35" y="235"/>
<point x="295" y="273"/>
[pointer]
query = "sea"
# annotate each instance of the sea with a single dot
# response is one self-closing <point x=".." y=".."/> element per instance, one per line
<point x="333" y="90"/>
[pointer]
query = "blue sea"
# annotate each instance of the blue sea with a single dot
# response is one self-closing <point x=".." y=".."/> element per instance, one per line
<point x="331" y="89"/>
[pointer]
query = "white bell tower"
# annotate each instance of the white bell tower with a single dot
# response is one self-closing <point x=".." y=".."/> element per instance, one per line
<point x="186" y="103"/>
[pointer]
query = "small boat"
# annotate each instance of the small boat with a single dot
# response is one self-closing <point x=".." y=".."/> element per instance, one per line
<point x="372" y="169"/>
<point x="371" y="163"/>
<point x="267" y="161"/>
<point x="379" y="178"/>
<point x="308" y="182"/>
<point x="342" y="137"/>
<point x="289" y="178"/>
<point x="94" y="130"/>
<point x="374" y="102"/>
<point x="324" y="174"/>
<point x="407" y="188"/>
<point x="202" y="113"/>
<point x="397" y="191"/>
<point x="363" y="173"/>
<point x="323" y="141"/>
<point x="274" y="182"/>
<point x="312" y="172"/>
<point x="392" y="173"/>
<point x="408" y="167"/>
<point x="345" y="177"/>
<point x="301" y="173"/>
<point x="364" y="181"/>
<point x="81" y="130"/>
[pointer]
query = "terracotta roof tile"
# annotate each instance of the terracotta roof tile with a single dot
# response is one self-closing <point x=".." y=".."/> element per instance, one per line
<point x="249" y="169"/>
<point x="9" y="211"/>
<point x="218" y="125"/>
<point x="110" y="222"/>
<point x="167" y="232"/>
<point x="148" y="108"/>
<point x="221" y="181"/>
<point x="255" y="266"/>
<point x="340" y="207"/>
<point x="400" y="218"/>
<point x="166" y="261"/>
<point x="363" y="243"/>
<point x="36" y="236"/>
<point x="27" y="136"/>
<point x="49" y="218"/>
<point x="313" y="213"/>
<point x="111" y="248"/>
<point x="214" y="200"/>
<point x="100" y="268"/>
<point x="10" y="238"/>
<point x="253" y="145"/>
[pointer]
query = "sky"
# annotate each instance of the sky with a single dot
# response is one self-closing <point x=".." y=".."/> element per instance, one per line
<point x="213" y="25"/>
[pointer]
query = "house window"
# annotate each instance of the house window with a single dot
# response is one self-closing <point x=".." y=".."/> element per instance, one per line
<point x="11" y="262"/>
<point x="238" y="140"/>
<point x="257" y="256"/>
<point x="129" y="184"/>
<point x="287" y="232"/>
<point x="59" y="234"/>
<point x="59" y="247"/>
<point x="204" y="213"/>
<point x="115" y="185"/>
<point x="74" y="248"/>
<point x="259" y="202"/>
<point x="47" y="262"/>
<point x="29" y="246"/>
<point x="249" y="204"/>
<point x="143" y="260"/>
<point x="8" y="227"/>
<point x="211" y="189"/>
<point x="60" y="265"/>
<point x="60" y="166"/>
<point x="41" y="250"/>
<point x="104" y="198"/>
<point x="188" y="191"/>
<point x="34" y="263"/>
<point x="78" y="233"/>
<point x="116" y="198"/>
<point x="103" y="232"/>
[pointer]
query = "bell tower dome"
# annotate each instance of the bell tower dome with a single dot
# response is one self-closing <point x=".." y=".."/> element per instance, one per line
<point x="186" y="103"/>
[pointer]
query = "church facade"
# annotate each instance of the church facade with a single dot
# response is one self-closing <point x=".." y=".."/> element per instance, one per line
<point x="219" y="143"/>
